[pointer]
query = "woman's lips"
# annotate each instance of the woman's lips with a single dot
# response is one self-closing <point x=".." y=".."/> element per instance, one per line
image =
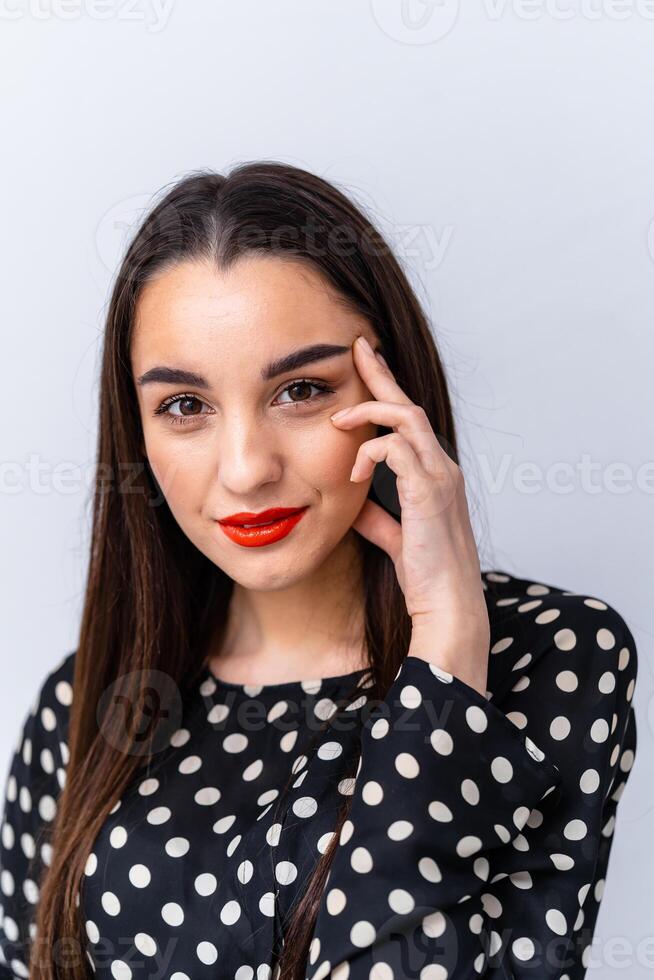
<point x="255" y="537"/>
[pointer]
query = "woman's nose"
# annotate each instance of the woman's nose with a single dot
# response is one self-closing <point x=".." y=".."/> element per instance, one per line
<point x="246" y="458"/>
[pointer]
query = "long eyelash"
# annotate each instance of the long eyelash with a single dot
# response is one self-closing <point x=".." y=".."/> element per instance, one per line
<point x="325" y="389"/>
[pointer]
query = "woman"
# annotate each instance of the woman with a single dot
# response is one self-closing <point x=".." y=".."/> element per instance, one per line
<point x="302" y="734"/>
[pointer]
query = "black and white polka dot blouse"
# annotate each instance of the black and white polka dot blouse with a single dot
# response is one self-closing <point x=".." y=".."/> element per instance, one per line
<point x="477" y="842"/>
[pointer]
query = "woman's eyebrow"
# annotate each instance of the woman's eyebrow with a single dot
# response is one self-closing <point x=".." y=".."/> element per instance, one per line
<point x="298" y="358"/>
<point x="289" y="362"/>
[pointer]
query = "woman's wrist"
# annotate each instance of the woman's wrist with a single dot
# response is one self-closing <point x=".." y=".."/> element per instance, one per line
<point x="465" y="655"/>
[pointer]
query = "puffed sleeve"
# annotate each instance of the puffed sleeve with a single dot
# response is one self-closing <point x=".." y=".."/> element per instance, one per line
<point x="480" y="827"/>
<point x="34" y="779"/>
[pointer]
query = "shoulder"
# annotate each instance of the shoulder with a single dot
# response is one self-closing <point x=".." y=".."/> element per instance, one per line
<point x="42" y="744"/>
<point x="538" y="626"/>
<point x="54" y="694"/>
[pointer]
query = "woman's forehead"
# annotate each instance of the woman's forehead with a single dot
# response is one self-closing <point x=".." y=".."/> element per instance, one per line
<point x="261" y="309"/>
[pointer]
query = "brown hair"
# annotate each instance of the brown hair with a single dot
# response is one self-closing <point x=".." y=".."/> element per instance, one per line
<point x="152" y="599"/>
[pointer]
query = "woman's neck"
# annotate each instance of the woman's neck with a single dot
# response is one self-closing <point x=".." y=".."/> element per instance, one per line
<point x="313" y="629"/>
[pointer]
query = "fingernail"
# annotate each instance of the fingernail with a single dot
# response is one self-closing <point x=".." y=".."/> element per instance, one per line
<point x="338" y="415"/>
<point x="380" y="357"/>
<point x="364" y="343"/>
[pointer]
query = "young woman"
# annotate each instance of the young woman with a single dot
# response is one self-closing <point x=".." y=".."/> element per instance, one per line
<point x="302" y="734"/>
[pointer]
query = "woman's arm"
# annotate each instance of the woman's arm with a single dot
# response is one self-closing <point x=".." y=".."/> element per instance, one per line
<point x="475" y="848"/>
<point x="35" y="777"/>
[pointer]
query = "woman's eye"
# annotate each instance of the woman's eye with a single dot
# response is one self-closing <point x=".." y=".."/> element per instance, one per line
<point x="186" y="408"/>
<point x="300" y="391"/>
<point x="189" y="406"/>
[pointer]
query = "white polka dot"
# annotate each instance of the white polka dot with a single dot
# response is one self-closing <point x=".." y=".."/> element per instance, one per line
<point x="523" y="948"/>
<point x="329" y="751"/>
<point x="501" y="769"/>
<point x="492" y="905"/>
<point x="236" y="742"/>
<point x="362" y="934"/>
<point x="285" y="872"/>
<point x="118" y="837"/>
<point x="230" y="913"/>
<point x="599" y="730"/>
<point x="605" y="639"/>
<point x="139" y="875"/>
<point x="159" y="815"/>
<point x="372" y="793"/>
<point x="401" y="901"/>
<point x="380" y="728"/>
<point x="429" y="869"/>
<point x="207" y="796"/>
<point x="567" y="680"/>
<point x="476" y="719"/>
<point x="562" y="862"/>
<point x="148" y="786"/>
<point x="244" y="872"/>
<point x="560" y="728"/>
<point x="361" y="860"/>
<point x="468" y="845"/>
<point x="547" y="616"/>
<point x="145" y="944"/>
<point x="410" y="696"/>
<point x="206" y="952"/>
<point x="306" y="806"/>
<point x="407" y="765"/>
<point x="556" y="921"/>
<point x="189" y="765"/>
<point x="336" y="901"/>
<point x="64" y="693"/>
<point x="206" y="883"/>
<point x="267" y="904"/>
<point x="589" y="781"/>
<point x="565" y="639"/>
<point x="440" y="811"/>
<point x="470" y="792"/>
<point x="442" y="741"/>
<point x="110" y="903"/>
<point x="434" y="924"/>
<point x="172" y="914"/>
<point x="575" y="830"/>
<point x="224" y="824"/>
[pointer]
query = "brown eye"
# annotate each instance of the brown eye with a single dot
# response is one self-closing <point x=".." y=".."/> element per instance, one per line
<point x="304" y="386"/>
<point x="186" y="406"/>
<point x="190" y="408"/>
<point x="299" y="386"/>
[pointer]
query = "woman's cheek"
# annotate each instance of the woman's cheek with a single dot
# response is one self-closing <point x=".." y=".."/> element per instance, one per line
<point x="178" y="473"/>
<point x="334" y="455"/>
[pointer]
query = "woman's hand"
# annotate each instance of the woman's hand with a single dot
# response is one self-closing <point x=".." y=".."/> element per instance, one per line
<point x="433" y="550"/>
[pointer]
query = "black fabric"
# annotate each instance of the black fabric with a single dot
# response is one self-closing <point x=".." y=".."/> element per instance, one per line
<point x="477" y="842"/>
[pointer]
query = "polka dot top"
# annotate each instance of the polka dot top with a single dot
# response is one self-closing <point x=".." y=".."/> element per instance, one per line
<point x="477" y="842"/>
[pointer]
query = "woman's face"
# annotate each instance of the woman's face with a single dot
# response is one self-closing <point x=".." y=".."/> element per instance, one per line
<point x="238" y="440"/>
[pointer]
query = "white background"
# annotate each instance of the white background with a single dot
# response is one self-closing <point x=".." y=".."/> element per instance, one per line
<point x="506" y="148"/>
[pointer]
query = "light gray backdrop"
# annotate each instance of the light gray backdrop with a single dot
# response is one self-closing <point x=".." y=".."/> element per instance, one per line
<point x="507" y="149"/>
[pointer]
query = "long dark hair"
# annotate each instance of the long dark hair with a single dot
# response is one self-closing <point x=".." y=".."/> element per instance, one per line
<point x="152" y="598"/>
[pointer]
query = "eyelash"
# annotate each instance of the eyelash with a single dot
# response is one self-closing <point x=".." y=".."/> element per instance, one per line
<point x="183" y="420"/>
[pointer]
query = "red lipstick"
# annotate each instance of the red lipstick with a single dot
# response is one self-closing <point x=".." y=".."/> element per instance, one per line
<point x="271" y="525"/>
